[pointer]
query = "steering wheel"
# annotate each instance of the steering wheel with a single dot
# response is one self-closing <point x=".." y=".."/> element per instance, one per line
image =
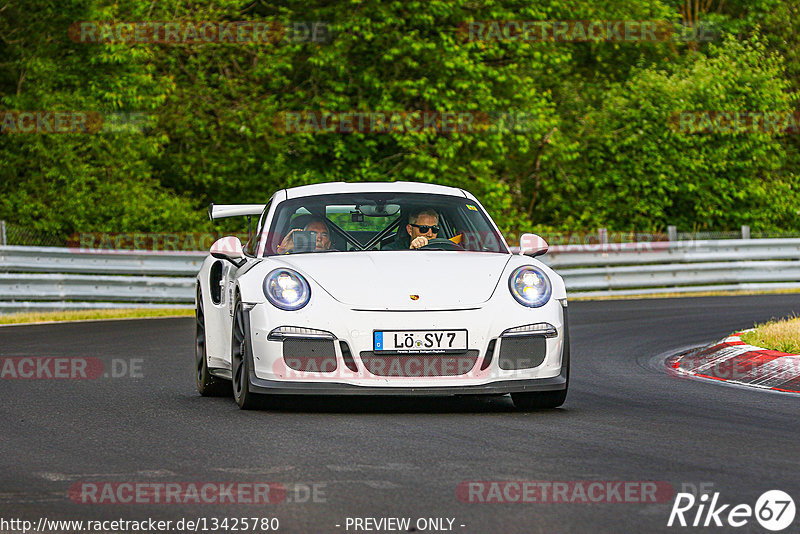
<point x="441" y="243"/>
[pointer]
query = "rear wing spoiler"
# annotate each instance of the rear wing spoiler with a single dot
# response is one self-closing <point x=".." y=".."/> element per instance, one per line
<point x="220" y="211"/>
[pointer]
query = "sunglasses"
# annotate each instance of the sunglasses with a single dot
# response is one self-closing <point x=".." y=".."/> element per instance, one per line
<point x="424" y="229"/>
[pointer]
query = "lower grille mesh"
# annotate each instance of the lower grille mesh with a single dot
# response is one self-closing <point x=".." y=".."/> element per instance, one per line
<point x="419" y="365"/>
<point x="310" y="355"/>
<point x="524" y="352"/>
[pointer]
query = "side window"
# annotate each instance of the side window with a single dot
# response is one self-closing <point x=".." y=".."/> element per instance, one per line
<point x="252" y="245"/>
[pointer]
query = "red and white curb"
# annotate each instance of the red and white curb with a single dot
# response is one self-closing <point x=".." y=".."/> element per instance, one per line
<point x="734" y="361"/>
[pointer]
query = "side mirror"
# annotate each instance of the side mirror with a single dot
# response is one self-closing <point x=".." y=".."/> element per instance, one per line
<point x="532" y="245"/>
<point x="228" y="248"/>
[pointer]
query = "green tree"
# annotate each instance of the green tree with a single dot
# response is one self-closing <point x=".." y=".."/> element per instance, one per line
<point x="639" y="171"/>
<point x="62" y="183"/>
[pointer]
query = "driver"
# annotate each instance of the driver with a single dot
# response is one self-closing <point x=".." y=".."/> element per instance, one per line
<point x="422" y="226"/>
<point x="317" y="225"/>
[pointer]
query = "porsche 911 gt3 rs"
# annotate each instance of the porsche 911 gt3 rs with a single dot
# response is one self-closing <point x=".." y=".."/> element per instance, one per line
<point x="334" y="294"/>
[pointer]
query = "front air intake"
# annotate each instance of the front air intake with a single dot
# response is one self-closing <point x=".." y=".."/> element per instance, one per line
<point x="523" y="352"/>
<point x="310" y="355"/>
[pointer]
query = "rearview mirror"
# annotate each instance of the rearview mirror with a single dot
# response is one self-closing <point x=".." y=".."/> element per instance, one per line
<point x="228" y="248"/>
<point x="380" y="210"/>
<point x="532" y="245"/>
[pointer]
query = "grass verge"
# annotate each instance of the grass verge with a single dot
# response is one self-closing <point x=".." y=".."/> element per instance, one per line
<point x="783" y="335"/>
<point x="91" y="315"/>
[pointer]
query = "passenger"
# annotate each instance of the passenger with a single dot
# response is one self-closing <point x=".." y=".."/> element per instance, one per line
<point x="317" y="225"/>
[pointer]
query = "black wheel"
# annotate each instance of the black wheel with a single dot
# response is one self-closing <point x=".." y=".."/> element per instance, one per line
<point x="440" y="243"/>
<point x="240" y="361"/>
<point x="207" y="384"/>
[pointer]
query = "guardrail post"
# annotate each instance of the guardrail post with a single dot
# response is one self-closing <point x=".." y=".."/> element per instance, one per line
<point x="745" y="232"/>
<point x="672" y="233"/>
<point x="602" y="233"/>
<point x="2" y="233"/>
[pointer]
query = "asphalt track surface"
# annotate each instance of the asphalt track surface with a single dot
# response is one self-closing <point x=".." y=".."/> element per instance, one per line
<point x="625" y="419"/>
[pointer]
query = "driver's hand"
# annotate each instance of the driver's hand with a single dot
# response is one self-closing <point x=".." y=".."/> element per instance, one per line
<point x="287" y="245"/>
<point x="419" y="242"/>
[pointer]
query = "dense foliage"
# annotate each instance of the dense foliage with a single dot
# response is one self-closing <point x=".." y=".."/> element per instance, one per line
<point x="598" y="147"/>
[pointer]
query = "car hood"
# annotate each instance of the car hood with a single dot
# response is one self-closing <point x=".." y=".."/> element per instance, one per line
<point x="389" y="280"/>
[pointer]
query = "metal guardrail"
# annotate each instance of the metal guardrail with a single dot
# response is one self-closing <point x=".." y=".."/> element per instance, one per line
<point x="46" y="278"/>
<point x="34" y="278"/>
<point x="24" y="287"/>
<point x="567" y="256"/>
<point x="609" y="269"/>
<point x="68" y="260"/>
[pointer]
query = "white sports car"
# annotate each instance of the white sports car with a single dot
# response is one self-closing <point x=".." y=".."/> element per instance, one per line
<point x="379" y="289"/>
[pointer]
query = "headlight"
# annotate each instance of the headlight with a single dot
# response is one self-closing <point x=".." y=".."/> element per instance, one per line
<point x="286" y="289"/>
<point x="530" y="286"/>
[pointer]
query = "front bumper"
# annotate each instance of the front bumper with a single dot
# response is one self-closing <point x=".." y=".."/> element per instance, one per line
<point x="268" y="374"/>
<point x="280" y="387"/>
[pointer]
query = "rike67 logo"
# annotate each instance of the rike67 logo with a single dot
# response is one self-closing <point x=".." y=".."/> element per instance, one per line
<point x="774" y="510"/>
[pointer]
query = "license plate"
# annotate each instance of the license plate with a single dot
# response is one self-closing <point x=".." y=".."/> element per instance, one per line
<point x="420" y="340"/>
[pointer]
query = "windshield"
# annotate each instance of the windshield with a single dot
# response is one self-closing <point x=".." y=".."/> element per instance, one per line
<point x="355" y="222"/>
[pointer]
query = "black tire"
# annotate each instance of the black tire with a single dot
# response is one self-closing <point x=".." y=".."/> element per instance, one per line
<point x="207" y="384"/>
<point x="240" y="360"/>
